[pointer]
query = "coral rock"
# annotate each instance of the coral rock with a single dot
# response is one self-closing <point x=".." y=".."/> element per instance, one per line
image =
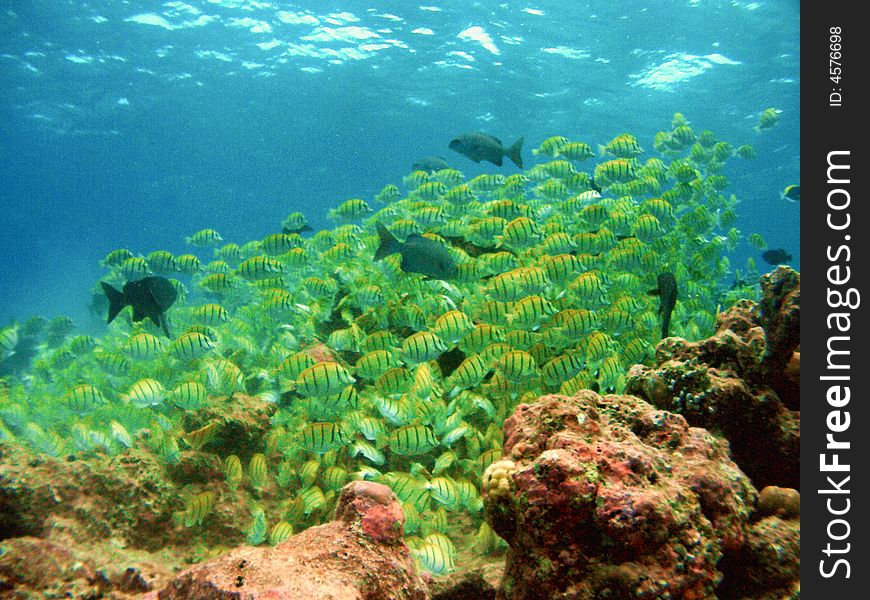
<point x="740" y="382"/>
<point x="359" y="555"/>
<point x="611" y="497"/>
<point x="767" y="567"/>
<point x="31" y="567"/>
<point x="782" y="502"/>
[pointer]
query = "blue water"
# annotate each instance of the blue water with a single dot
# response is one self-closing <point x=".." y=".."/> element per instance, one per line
<point x="134" y="124"/>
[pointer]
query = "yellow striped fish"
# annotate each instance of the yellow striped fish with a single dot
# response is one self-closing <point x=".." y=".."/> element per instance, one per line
<point x="161" y="261"/>
<point x="135" y="267"/>
<point x="551" y="146"/>
<point x="145" y="392"/>
<point x="355" y="208"/>
<point x="198" y="508"/>
<point x="120" y="434"/>
<point x="259" y="267"/>
<point x="211" y="314"/>
<point x="323" y="437"/>
<point x="202" y="436"/>
<point x="517" y="365"/>
<point x="434" y="559"/>
<point x="520" y="233"/>
<point x="452" y="326"/>
<point x="323" y="379"/>
<point x="144" y="346"/>
<point x="280" y="531"/>
<point x="190" y="395"/>
<point x="233" y="471"/>
<point x="480" y="337"/>
<point x="469" y="373"/>
<point x="191" y="345"/>
<point x="422" y="346"/>
<point x="561" y="368"/>
<point x="204" y="238"/>
<point x="85" y="398"/>
<point x="257" y="470"/>
<point x="372" y="365"/>
<point x="412" y="440"/>
<point x="622" y="146"/>
<point x="188" y="263"/>
<point x="444" y="491"/>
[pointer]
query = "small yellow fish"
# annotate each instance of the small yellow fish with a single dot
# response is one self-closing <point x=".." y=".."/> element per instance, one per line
<point x="198" y="508"/>
<point x="204" y="238"/>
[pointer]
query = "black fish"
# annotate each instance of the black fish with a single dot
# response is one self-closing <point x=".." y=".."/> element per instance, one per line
<point x="419" y="254"/>
<point x="480" y="146"/>
<point x="777" y="256"/>
<point x="430" y="164"/>
<point x="150" y="297"/>
<point x="667" y="293"/>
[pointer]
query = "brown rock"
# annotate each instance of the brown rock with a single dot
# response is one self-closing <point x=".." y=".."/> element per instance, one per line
<point x="767" y="567"/>
<point x="359" y="555"/>
<point x="784" y="503"/>
<point x="610" y="497"/>
<point x="31" y="567"/>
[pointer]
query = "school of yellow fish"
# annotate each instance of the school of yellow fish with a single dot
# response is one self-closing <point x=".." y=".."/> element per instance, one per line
<point x="388" y="375"/>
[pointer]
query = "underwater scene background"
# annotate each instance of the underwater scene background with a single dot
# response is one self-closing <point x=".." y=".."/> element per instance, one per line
<point x="135" y="124"/>
<point x="307" y="307"/>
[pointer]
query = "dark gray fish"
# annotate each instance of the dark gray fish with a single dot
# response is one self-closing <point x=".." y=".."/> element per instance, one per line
<point x="430" y="164"/>
<point x="150" y="297"/>
<point x="667" y="293"/>
<point x="419" y="254"/>
<point x="480" y="146"/>
<point x="777" y="256"/>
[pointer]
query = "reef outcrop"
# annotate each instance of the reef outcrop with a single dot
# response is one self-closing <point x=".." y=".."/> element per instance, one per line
<point x="742" y="382"/>
<point x="358" y="555"/>
<point x="609" y="496"/>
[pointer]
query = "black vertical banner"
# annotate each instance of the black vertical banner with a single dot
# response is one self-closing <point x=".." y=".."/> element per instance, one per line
<point x="835" y="424"/>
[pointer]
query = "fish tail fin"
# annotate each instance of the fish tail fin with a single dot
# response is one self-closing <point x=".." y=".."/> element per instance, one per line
<point x="514" y="152"/>
<point x="602" y="150"/>
<point x="666" y="324"/>
<point x="389" y="244"/>
<point x="117" y="301"/>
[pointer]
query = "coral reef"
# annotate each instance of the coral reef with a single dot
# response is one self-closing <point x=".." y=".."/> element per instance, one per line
<point x="742" y="382"/>
<point x="611" y="497"/>
<point x="359" y="555"/>
<point x="767" y="566"/>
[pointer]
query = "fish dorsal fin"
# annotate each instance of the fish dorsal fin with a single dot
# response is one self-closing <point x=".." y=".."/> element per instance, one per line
<point x="492" y="137"/>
